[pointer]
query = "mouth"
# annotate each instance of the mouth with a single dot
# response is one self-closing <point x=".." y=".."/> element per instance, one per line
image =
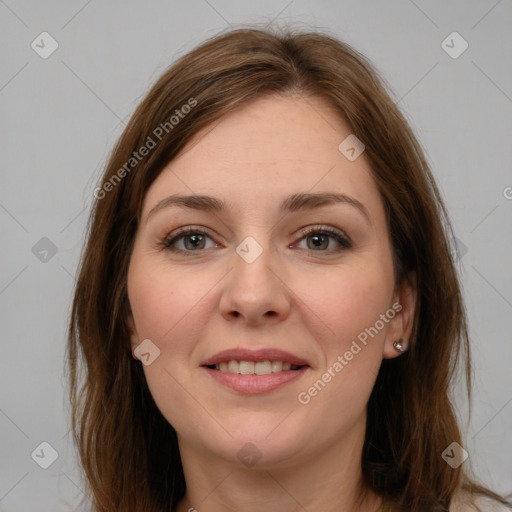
<point x="255" y="372"/>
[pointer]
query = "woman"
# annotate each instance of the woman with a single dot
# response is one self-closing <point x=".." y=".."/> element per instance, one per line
<point x="267" y="311"/>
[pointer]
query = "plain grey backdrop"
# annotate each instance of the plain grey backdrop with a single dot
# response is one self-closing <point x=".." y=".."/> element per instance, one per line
<point x="61" y="113"/>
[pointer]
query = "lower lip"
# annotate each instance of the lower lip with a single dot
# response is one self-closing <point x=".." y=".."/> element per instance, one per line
<point x="255" y="384"/>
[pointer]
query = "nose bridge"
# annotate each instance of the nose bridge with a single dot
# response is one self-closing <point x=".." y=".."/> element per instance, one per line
<point x="254" y="290"/>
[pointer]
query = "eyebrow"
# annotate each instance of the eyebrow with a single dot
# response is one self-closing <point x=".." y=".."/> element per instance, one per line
<point x="293" y="203"/>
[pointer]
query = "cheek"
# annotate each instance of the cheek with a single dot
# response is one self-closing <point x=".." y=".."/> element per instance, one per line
<point x="351" y="335"/>
<point x="168" y="307"/>
<point x="164" y="301"/>
<point x="348" y="301"/>
<point x="172" y="306"/>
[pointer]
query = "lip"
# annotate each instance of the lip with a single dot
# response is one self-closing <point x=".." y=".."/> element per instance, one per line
<point x="255" y="384"/>
<point x="266" y="354"/>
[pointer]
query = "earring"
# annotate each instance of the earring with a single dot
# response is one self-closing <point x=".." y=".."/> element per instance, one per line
<point x="399" y="345"/>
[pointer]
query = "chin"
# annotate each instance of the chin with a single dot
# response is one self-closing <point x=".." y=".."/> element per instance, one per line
<point x="256" y="444"/>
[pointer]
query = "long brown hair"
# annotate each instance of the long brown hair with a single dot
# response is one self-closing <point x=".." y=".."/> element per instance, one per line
<point x="128" y="450"/>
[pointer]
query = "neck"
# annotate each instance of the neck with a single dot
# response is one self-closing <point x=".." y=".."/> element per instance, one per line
<point x="329" y="481"/>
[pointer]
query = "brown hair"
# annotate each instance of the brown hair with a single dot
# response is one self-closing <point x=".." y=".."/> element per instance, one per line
<point x="128" y="450"/>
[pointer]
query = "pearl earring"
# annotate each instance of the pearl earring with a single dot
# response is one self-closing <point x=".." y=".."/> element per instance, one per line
<point x="399" y="345"/>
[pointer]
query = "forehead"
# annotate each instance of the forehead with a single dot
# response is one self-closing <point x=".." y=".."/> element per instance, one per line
<point x="269" y="148"/>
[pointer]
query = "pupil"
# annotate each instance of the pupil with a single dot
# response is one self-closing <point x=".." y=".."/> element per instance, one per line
<point x="316" y="239"/>
<point x="194" y="244"/>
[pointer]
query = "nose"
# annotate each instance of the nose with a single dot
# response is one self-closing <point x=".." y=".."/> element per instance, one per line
<point x="255" y="291"/>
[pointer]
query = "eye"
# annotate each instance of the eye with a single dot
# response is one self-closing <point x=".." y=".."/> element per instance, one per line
<point x="192" y="239"/>
<point x="318" y="239"/>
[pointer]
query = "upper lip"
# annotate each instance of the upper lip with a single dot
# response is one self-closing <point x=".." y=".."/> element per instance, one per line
<point x="266" y="354"/>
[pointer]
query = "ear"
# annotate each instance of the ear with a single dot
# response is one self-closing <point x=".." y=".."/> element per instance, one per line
<point x="400" y="326"/>
<point x="134" y="338"/>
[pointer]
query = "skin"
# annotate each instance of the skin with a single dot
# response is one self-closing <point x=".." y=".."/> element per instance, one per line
<point x="310" y="301"/>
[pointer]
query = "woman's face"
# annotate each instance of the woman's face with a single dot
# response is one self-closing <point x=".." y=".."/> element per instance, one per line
<point x="250" y="283"/>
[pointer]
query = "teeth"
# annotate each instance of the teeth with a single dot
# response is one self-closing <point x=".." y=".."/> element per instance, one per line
<point x="277" y="366"/>
<point x="262" y="368"/>
<point x="246" y="367"/>
<point x="252" y="368"/>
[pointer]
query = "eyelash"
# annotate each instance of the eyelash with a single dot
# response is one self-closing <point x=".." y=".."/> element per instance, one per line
<point x="343" y="240"/>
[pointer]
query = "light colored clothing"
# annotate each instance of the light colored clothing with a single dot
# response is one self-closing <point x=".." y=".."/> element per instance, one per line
<point x="485" y="504"/>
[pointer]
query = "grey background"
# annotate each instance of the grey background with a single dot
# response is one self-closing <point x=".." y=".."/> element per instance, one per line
<point x="60" y="117"/>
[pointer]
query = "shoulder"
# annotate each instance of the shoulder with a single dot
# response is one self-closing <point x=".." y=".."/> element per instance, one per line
<point x="463" y="502"/>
